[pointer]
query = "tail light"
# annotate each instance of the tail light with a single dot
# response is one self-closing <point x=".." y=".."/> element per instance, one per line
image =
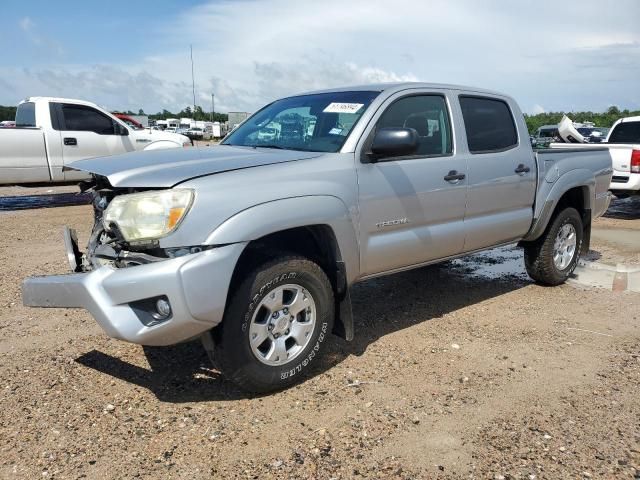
<point x="635" y="161"/>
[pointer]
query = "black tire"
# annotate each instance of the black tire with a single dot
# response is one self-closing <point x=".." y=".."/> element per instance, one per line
<point x="538" y="255"/>
<point x="233" y="353"/>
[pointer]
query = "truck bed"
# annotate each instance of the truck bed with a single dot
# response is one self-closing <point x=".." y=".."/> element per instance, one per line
<point x="554" y="162"/>
<point x="24" y="155"/>
<point x="623" y="179"/>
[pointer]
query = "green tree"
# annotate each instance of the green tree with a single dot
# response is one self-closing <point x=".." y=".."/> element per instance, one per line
<point x="164" y="114"/>
<point x="7" y="113"/>
<point x="199" y="114"/>
<point x="613" y="110"/>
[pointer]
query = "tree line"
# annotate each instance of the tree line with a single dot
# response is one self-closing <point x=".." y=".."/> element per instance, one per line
<point x="604" y="119"/>
<point x="187" y="112"/>
<point x="7" y="113"/>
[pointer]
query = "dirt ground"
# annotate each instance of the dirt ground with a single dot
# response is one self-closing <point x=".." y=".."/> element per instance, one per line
<point x="451" y="376"/>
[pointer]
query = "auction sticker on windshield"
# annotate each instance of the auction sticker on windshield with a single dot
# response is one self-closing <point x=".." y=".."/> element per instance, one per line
<point x="336" y="107"/>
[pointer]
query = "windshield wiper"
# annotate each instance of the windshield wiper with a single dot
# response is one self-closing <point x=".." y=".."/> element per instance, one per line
<point x="269" y="145"/>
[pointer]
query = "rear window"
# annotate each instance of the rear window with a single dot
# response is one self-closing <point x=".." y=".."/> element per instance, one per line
<point x="626" y="132"/>
<point x="488" y="123"/>
<point x="26" y="115"/>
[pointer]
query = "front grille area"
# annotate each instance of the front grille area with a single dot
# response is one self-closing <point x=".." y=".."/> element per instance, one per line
<point x="619" y="179"/>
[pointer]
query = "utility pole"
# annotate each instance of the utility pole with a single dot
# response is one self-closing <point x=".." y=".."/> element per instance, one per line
<point x="212" y="107"/>
<point x="193" y="83"/>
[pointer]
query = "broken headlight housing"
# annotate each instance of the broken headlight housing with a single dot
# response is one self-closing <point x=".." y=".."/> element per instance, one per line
<point x="147" y="215"/>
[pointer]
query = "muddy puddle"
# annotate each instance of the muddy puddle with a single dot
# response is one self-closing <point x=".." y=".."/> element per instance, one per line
<point x="499" y="263"/>
<point x="624" y="208"/>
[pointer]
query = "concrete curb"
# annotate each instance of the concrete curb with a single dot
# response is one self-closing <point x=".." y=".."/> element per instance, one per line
<point x="619" y="278"/>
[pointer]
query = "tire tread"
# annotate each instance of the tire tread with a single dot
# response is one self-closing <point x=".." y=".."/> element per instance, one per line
<point x="538" y="256"/>
<point x="237" y="307"/>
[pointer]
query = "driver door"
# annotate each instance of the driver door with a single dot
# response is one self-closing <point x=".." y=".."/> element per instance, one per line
<point x="409" y="212"/>
<point x="88" y="133"/>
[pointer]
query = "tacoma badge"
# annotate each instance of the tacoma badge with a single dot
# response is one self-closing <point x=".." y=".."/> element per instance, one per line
<point x="390" y="223"/>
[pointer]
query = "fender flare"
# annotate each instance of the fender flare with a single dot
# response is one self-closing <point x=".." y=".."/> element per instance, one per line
<point x="553" y="191"/>
<point x="284" y="214"/>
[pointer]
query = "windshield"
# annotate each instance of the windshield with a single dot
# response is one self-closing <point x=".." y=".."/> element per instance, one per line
<point x="316" y="123"/>
<point x="586" y="131"/>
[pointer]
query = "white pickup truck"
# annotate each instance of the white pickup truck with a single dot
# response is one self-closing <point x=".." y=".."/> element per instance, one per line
<point x="623" y="142"/>
<point x="51" y="133"/>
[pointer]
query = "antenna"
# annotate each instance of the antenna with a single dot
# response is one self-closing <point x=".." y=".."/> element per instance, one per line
<point x="193" y="84"/>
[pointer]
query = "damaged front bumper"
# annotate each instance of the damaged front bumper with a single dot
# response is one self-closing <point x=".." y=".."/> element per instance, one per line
<point x="123" y="300"/>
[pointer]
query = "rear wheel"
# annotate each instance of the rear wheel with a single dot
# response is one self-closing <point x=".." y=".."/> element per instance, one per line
<point x="552" y="258"/>
<point x="275" y="325"/>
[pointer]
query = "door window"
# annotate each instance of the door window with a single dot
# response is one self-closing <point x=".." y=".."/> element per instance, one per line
<point x="428" y="115"/>
<point x="82" y="118"/>
<point x="488" y="123"/>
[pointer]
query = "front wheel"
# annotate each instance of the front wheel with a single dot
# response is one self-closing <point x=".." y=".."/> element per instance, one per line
<point x="552" y="258"/>
<point x="275" y="325"/>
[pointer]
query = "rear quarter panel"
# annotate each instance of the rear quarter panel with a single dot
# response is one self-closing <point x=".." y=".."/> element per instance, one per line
<point x="560" y="170"/>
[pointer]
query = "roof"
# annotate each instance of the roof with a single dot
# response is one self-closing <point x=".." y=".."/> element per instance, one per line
<point x="629" y="119"/>
<point x="398" y="86"/>
<point x="61" y="100"/>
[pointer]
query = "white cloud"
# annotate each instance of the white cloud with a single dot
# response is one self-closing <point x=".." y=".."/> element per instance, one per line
<point x="30" y="30"/>
<point x="26" y="24"/>
<point x="28" y="27"/>
<point x="253" y="51"/>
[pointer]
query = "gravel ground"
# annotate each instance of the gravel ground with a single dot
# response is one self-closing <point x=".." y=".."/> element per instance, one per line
<point x="451" y="376"/>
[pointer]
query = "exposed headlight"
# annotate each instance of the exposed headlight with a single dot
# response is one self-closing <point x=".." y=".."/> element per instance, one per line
<point x="148" y="215"/>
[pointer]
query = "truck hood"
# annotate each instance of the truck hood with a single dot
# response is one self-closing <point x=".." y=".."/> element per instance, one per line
<point x="166" y="168"/>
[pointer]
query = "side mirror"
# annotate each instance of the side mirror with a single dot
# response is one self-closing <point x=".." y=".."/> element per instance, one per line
<point x="393" y="142"/>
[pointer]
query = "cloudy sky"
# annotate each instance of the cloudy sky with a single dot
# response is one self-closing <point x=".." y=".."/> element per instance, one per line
<point x="548" y="54"/>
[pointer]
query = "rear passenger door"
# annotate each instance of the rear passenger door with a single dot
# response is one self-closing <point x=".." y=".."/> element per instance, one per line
<point x="411" y="211"/>
<point x="501" y="173"/>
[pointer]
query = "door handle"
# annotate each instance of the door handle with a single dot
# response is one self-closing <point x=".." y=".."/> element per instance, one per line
<point x="454" y="176"/>
<point x="70" y="141"/>
<point x="522" y="168"/>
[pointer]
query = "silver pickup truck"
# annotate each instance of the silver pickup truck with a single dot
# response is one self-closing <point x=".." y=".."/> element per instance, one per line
<point x="253" y="245"/>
